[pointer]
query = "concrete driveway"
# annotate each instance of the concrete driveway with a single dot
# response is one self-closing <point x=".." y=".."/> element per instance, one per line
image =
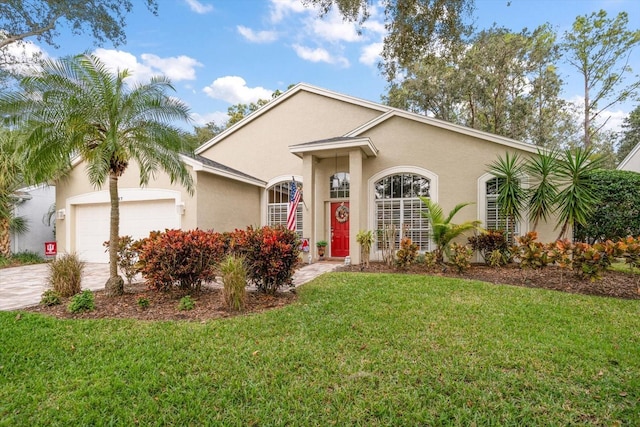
<point x="23" y="286"/>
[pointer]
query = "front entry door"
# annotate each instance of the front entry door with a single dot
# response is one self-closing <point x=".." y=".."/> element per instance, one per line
<point x="340" y="229"/>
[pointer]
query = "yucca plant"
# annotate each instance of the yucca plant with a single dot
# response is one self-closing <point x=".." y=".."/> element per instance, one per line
<point x="543" y="170"/>
<point x="577" y="199"/>
<point x="511" y="195"/>
<point x="234" y="279"/>
<point x="65" y="275"/>
<point x="443" y="231"/>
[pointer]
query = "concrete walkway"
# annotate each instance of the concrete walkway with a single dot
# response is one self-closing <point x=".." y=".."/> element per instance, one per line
<point x="23" y="286"/>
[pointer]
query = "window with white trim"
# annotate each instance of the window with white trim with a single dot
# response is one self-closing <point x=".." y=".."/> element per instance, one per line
<point x="277" y="205"/>
<point x="494" y="218"/>
<point x="397" y="203"/>
<point x="339" y="185"/>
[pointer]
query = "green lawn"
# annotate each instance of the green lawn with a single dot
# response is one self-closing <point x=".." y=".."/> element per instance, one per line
<point x="357" y="349"/>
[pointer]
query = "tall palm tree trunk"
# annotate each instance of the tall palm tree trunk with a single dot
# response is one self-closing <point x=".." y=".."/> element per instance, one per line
<point x="5" y="238"/>
<point x="115" y="283"/>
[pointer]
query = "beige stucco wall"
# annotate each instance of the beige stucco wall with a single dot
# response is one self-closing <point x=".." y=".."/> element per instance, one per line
<point x="225" y="204"/>
<point x="633" y="162"/>
<point x="76" y="184"/>
<point x="458" y="160"/>
<point x="261" y="148"/>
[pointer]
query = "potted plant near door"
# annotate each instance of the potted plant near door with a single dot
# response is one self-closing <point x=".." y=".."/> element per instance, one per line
<point x="322" y="246"/>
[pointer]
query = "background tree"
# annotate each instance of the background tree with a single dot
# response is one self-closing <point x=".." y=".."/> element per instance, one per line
<point x="76" y="106"/>
<point x="202" y="134"/>
<point x="599" y="47"/>
<point x="630" y="135"/>
<point x="414" y="27"/>
<point x="104" y="19"/>
<point x="502" y="82"/>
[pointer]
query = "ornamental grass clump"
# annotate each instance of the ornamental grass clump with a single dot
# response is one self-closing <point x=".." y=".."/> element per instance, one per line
<point x="65" y="275"/>
<point x="365" y="239"/>
<point x="234" y="279"/>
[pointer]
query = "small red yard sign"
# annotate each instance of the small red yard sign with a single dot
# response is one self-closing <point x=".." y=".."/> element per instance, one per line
<point x="50" y="248"/>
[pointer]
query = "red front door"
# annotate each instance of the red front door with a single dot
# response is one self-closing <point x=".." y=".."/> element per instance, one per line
<point x="340" y="229"/>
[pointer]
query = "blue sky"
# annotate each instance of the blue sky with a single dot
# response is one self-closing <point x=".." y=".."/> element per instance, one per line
<point x="222" y="52"/>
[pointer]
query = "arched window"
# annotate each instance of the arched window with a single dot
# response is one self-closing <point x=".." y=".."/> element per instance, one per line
<point x="339" y="185"/>
<point x="277" y="206"/>
<point x="494" y="218"/>
<point x="397" y="203"/>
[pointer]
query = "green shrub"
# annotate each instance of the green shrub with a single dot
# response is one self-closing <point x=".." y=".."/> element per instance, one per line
<point x="617" y="213"/>
<point x="82" y="302"/>
<point x="4" y="261"/>
<point x="127" y="255"/>
<point x="65" y="275"/>
<point x="50" y="297"/>
<point x="234" y="278"/>
<point x="186" y="303"/>
<point x="407" y="254"/>
<point x="143" y="303"/>
<point x="487" y="243"/>
<point x="28" y="257"/>
<point x="460" y="256"/>
<point x="180" y="258"/>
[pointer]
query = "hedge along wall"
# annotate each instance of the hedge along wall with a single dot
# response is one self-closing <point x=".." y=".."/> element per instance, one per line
<point x="617" y="213"/>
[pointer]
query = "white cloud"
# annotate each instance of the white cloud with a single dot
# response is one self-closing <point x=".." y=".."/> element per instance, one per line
<point x="257" y="37"/>
<point x="612" y="119"/>
<point x="176" y="68"/>
<point x="282" y="8"/>
<point x="218" y="117"/>
<point x="234" y="90"/>
<point x="376" y="27"/>
<point x="319" y="55"/>
<point x="333" y="28"/>
<point x="21" y="57"/>
<point x="198" y="7"/>
<point x="615" y="120"/>
<point x="371" y="54"/>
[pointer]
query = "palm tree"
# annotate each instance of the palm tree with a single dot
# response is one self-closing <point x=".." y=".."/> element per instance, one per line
<point x="76" y="106"/>
<point x="11" y="179"/>
<point x="511" y="195"/>
<point x="576" y="200"/>
<point x="442" y="229"/>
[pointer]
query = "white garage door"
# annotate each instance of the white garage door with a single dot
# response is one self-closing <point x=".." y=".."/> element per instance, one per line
<point x="137" y="219"/>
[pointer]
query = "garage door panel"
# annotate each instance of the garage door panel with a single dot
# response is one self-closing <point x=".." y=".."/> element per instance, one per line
<point x="137" y="219"/>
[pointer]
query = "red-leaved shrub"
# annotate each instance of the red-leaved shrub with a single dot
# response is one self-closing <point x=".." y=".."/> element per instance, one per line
<point x="180" y="258"/>
<point x="271" y="255"/>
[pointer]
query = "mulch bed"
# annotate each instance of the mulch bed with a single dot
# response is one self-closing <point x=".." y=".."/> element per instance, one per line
<point x="613" y="284"/>
<point x="164" y="305"/>
<point x="209" y="302"/>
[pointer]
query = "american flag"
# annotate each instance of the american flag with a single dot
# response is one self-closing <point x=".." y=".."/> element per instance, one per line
<point x="294" y="199"/>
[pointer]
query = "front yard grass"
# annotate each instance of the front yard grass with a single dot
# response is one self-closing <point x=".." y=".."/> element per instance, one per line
<point x="356" y="349"/>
